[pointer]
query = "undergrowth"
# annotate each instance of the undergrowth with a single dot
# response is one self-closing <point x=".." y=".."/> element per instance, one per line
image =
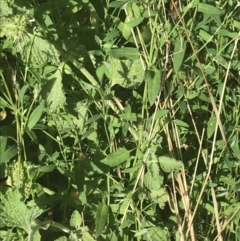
<point x="119" y="120"/>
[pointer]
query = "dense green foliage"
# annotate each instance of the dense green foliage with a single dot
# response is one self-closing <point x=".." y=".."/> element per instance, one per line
<point x="119" y="120"/>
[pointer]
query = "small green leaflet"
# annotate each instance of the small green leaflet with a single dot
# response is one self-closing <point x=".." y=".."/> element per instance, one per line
<point x="116" y="158"/>
<point x="169" y="164"/>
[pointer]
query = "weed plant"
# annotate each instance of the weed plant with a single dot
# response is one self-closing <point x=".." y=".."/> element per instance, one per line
<point x="119" y="120"/>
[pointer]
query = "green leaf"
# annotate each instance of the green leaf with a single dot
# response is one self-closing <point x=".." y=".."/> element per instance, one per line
<point x="179" y="52"/>
<point x="3" y="103"/>
<point x="160" y="114"/>
<point x="47" y="168"/>
<point x="3" y="144"/>
<point x="22" y="92"/>
<point x="158" y="234"/>
<point x="127" y="73"/>
<point x="116" y="4"/>
<point x="111" y="35"/>
<point x="42" y="51"/>
<point x="124" y="53"/>
<point x="169" y="164"/>
<point x="93" y="119"/>
<point x="79" y="176"/>
<point x="135" y="22"/>
<point x="205" y="36"/>
<point x="53" y="91"/>
<point x="116" y="158"/>
<point x="101" y="218"/>
<point x="15" y="213"/>
<point x="211" y="125"/>
<point x="75" y="220"/>
<point x="141" y="232"/>
<point x="207" y="8"/>
<point x="87" y="134"/>
<point x="8" y="154"/>
<point x="153" y="78"/>
<point x="35" y="116"/>
<point x="160" y="196"/>
<point x="238" y="233"/>
<point x="181" y="123"/>
<point x="235" y="146"/>
<point x="87" y="237"/>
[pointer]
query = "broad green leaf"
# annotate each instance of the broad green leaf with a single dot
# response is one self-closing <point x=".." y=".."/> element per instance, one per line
<point x="117" y="158"/>
<point x="8" y="154"/>
<point x="101" y="218"/>
<point x="15" y="213"/>
<point x="127" y="73"/>
<point x="158" y="234"/>
<point x="42" y="51"/>
<point x="35" y="116"/>
<point x="87" y="237"/>
<point x="162" y="198"/>
<point x="153" y="79"/>
<point x="179" y="52"/>
<point x="75" y="220"/>
<point x="124" y="53"/>
<point x="169" y="164"/>
<point x="54" y="93"/>
<point x="211" y="126"/>
<point x="207" y="8"/>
